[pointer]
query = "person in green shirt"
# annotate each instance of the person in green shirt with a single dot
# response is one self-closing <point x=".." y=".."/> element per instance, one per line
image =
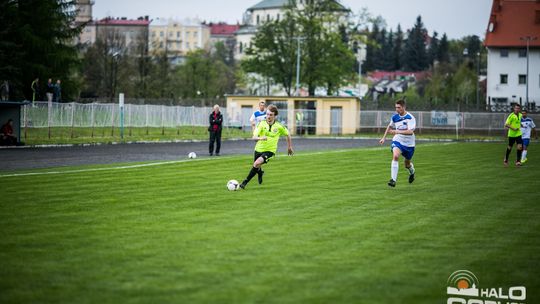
<point x="267" y="136"/>
<point x="513" y="123"/>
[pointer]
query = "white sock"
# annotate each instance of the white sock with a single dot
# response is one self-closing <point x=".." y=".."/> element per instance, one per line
<point x="523" y="155"/>
<point x="411" y="169"/>
<point x="394" y="170"/>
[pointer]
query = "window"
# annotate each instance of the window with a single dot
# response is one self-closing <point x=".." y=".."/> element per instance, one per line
<point x="178" y="45"/>
<point x="187" y="45"/>
<point x="187" y="33"/>
<point x="195" y="34"/>
<point x="161" y="34"/>
<point x="504" y="52"/>
<point x="268" y="17"/>
<point x="195" y="45"/>
<point x="177" y="34"/>
<point x="522" y="52"/>
<point x="277" y="18"/>
<point x="161" y="44"/>
<point x="154" y="34"/>
<point x="504" y="79"/>
<point x="258" y="19"/>
<point x="240" y="48"/>
<point x="170" y="34"/>
<point x="522" y="79"/>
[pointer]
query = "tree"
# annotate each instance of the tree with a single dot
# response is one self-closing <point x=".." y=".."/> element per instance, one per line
<point x="36" y="41"/>
<point x="326" y="59"/>
<point x="433" y="48"/>
<point x="398" y="48"/>
<point x="273" y="54"/>
<point x="202" y="76"/>
<point x="442" y="52"/>
<point x="414" y="53"/>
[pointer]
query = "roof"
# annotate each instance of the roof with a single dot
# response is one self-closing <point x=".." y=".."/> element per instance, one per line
<point x="14" y="103"/>
<point x="511" y="20"/>
<point x="223" y="29"/>
<point x="266" y="4"/>
<point x="112" y="21"/>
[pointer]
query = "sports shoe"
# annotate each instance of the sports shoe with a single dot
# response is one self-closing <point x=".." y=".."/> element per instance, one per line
<point x="505" y="163"/>
<point x="411" y="178"/>
<point x="524" y="160"/>
<point x="260" y="176"/>
<point x="392" y="183"/>
<point x="518" y="164"/>
<point x="243" y="185"/>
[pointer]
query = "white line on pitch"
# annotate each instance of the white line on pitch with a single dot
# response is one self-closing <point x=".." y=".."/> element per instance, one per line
<point x="187" y="160"/>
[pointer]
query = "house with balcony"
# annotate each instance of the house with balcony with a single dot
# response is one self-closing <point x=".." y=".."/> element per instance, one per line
<point x="513" y="60"/>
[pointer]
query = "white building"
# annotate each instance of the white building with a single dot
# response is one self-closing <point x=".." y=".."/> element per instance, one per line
<point x="177" y="38"/>
<point x="264" y="11"/>
<point x="84" y="17"/>
<point x="512" y="26"/>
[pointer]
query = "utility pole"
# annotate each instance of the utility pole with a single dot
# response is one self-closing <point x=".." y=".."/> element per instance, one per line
<point x="528" y="39"/>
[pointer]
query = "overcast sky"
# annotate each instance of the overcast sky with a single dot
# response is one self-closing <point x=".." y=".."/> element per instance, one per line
<point x="456" y="18"/>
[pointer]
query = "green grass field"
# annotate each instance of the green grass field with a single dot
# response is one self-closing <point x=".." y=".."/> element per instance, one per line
<point x="323" y="228"/>
<point x="64" y="135"/>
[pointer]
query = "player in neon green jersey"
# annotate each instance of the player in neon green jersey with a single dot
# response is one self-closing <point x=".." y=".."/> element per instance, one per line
<point x="513" y="124"/>
<point x="267" y="136"/>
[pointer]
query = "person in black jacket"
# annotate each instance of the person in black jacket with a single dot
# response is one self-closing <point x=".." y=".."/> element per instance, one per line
<point x="216" y="120"/>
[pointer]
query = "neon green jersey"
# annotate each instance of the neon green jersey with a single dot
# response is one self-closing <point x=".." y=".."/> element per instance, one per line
<point x="272" y="134"/>
<point x="514" y="121"/>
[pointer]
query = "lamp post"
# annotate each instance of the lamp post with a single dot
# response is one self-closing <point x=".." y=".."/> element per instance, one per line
<point x="298" y="39"/>
<point x="466" y="54"/>
<point x="361" y="55"/>
<point x="528" y="39"/>
<point x="477" y="80"/>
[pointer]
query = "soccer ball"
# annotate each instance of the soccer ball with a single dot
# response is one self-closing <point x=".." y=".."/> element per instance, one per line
<point x="232" y="185"/>
<point x="192" y="155"/>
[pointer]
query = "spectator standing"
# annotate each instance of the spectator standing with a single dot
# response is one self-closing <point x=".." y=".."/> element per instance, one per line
<point x="216" y="121"/>
<point x="35" y="90"/>
<point x="50" y="90"/>
<point x="57" y="91"/>
<point x="4" y="89"/>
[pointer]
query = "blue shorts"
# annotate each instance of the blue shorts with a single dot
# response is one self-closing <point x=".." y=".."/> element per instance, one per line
<point x="526" y="142"/>
<point x="407" y="152"/>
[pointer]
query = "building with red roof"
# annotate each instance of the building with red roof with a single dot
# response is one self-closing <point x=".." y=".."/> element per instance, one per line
<point x="122" y="33"/>
<point x="513" y="44"/>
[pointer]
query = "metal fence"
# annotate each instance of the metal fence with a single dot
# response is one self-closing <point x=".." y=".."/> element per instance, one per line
<point x="40" y="115"/>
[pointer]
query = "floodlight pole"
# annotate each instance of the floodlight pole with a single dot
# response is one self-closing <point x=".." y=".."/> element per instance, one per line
<point x="528" y="39"/>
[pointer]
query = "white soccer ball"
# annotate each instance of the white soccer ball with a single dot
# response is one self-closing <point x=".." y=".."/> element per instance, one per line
<point x="232" y="185"/>
<point x="192" y="155"/>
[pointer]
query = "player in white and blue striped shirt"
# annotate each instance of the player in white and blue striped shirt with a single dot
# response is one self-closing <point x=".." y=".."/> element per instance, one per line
<point x="258" y="115"/>
<point x="402" y="125"/>
<point x="527" y="127"/>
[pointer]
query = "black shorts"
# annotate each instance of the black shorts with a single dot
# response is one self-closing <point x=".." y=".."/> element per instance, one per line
<point x="265" y="155"/>
<point x="517" y="140"/>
